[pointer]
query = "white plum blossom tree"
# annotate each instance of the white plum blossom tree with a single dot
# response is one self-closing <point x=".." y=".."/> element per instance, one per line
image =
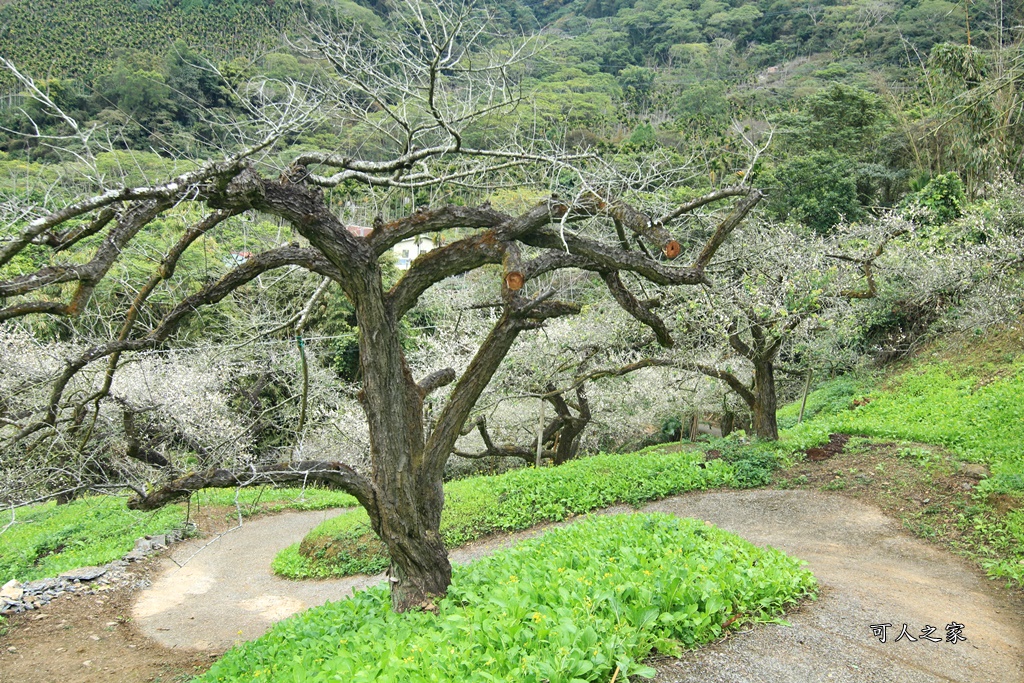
<point x="414" y="90"/>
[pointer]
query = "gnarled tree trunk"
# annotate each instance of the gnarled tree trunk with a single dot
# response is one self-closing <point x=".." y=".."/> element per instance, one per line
<point x="764" y="404"/>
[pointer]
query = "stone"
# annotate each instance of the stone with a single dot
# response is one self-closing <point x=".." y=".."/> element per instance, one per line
<point x="41" y="585"/>
<point x="12" y="590"/>
<point x="84" y="574"/>
<point x="974" y="471"/>
<point x="143" y="545"/>
<point x="159" y="541"/>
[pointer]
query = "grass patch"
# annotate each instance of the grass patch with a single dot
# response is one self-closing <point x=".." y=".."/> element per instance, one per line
<point x="477" y="506"/>
<point x="568" y="607"/>
<point x="1005" y="537"/>
<point x="978" y="418"/>
<point x="48" y="539"/>
<point x="264" y="499"/>
<point x="831" y="398"/>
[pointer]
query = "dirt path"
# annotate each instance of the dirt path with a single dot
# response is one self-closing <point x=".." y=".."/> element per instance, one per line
<point x="224" y="590"/>
<point x="870" y="570"/>
<point x="226" y="593"/>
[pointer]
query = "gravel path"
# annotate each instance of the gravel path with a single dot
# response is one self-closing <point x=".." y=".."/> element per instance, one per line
<point x="870" y="571"/>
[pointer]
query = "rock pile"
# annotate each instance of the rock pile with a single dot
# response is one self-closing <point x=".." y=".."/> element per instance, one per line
<point x="16" y="597"/>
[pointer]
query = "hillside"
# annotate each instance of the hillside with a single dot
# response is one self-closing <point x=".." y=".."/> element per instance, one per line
<point x="82" y="38"/>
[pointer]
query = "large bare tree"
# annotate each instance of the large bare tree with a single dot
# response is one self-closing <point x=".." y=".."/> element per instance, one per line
<point x="416" y="99"/>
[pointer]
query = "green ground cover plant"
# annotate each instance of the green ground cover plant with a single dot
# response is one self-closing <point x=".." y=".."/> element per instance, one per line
<point x="1006" y="538"/>
<point x="977" y="417"/>
<point x="47" y="539"/>
<point x="568" y="607"/>
<point x="265" y="499"/>
<point x="965" y="394"/>
<point x="515" y="500"/>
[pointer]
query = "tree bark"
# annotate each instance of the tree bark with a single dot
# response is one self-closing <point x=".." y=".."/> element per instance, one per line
<point x="728" y="419"/>
<point x="765" y="402"/>
<point x="420" y="572"/>
<point x="407" y="510"/>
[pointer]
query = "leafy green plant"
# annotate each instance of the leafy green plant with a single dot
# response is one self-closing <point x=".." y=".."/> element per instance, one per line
<point x="514" y="500"/>
<point x="753" y="472"/>
<point x="251" y="501"/>
<point x="952" y="407"/>
<point x="832" y="397"/>
<point x="941" y="200"/>
<point x="925" y="458"/>
<point x="1010" y="534"/>
<point x="571" y="606"/>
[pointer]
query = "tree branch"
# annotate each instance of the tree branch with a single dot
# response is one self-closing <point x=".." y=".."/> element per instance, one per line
<point x="734" y="383"/>
<point x="331" y="474"/>
<point x="726" y="227"/>
<point x="436" y="380"/>
<point x="635" y="308"/>
<point x="447" y="217"/>
<point x="211" y="294"/>
<point x="722" y="193"/>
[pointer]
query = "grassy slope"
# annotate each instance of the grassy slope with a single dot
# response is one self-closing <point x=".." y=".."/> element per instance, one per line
<point x="966" y="394"/>
<point x="45" y="540"/>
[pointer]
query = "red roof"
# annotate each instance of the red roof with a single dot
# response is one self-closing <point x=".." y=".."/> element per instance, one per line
<point x="359" y="230"/>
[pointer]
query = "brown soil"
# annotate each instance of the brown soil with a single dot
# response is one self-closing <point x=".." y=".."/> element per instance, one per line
<point x="81" y="638"/>
<point x="836" y="444"/>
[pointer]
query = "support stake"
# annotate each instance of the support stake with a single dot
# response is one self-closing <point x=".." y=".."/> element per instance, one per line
<point x="807" y="388"/>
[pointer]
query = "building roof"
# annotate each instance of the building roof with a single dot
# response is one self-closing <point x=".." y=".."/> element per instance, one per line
<point x="359" y="230"/>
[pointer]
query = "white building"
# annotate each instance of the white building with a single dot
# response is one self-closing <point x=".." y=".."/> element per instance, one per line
<point x="407" y="250"/>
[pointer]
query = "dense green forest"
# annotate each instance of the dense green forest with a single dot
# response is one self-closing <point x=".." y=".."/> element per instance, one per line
<point x="874" y="98"/>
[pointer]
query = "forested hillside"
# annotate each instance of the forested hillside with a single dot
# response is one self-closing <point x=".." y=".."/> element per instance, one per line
<point x="876" y="97"/>
<point x="82" y="38"/>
